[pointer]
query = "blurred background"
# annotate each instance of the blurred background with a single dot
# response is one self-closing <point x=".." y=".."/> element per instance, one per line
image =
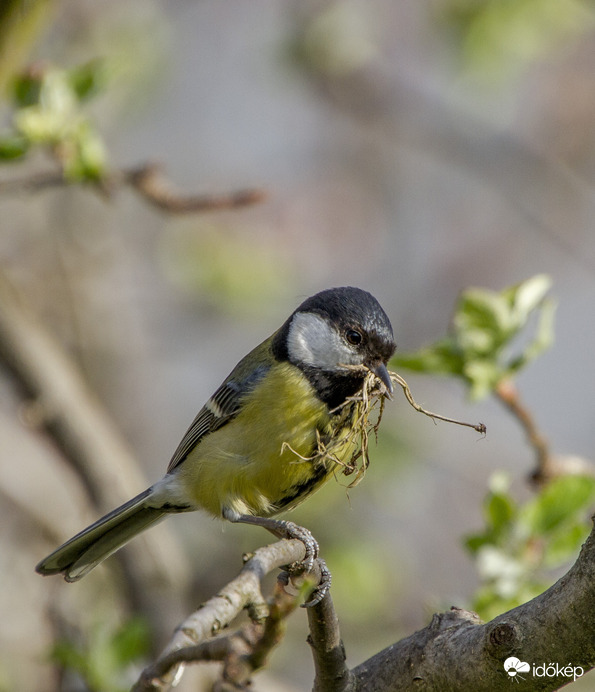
<point x="412" y="149"/>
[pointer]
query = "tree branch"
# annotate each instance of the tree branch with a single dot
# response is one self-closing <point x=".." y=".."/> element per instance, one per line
<point x="454" y="652"/>
<point x="191" y="641"/>
<point x="148" y="181"/>
<point x="332" y="673"/>
<point x="457" y="652"/>
<point x="507" y="393"/>
<point x="547" y="465"/>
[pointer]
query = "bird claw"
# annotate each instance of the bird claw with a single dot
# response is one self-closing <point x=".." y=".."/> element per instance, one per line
<point x="323" y="585"/>
<point x="311" y="547"/>
<point x="289" y="530"/>
<point x="321" y="571"/>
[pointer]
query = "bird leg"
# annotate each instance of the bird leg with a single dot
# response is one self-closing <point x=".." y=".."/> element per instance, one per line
<point x="288" y="529"/>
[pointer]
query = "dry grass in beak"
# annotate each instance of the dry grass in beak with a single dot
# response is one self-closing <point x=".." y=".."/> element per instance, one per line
<point x="357" y="418"/>
<point x="479" y="427"/>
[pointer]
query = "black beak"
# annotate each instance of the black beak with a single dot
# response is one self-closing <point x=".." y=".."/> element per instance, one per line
<point x="383" y="375"/>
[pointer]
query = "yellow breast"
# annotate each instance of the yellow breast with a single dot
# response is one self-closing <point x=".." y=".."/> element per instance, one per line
<point x="260" y="462"/>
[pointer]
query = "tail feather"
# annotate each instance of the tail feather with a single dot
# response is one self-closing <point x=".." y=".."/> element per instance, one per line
<point x="79" y="555"/>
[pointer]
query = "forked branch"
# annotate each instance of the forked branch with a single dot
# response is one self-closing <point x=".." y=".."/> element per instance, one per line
<point x="456" y="651"/>
<point x="244" y="651"/>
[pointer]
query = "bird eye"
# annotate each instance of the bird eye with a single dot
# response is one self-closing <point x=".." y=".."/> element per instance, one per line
<point x="353" y="336"/>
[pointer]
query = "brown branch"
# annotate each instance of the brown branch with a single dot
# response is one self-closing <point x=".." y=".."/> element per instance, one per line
<point x="251" y="647"/>
<point x="218" y="649"/>
<point x="548" y="466"/>
<point x="507" y="393"/>
<point x="35" y="182"/>
<point x="283" y="604"/>
<point x="243" y="592"/>
<point x="457" y="652"/>
<point x="332" y="673"/>
<point x="454" y="652"/>
<point x="242" y="652"/>
<point x="148" y="181"/>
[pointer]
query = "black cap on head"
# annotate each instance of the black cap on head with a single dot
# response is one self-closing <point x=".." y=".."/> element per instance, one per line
<point x="348" y="306"/>
<point x="347" y="309"/>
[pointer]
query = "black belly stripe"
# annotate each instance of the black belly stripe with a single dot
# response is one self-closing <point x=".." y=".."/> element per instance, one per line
<point x="302" y="489"/>
<point x="319" y="470"/>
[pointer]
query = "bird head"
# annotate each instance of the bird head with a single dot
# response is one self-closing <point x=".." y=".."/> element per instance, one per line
<point x="331" y="335"/>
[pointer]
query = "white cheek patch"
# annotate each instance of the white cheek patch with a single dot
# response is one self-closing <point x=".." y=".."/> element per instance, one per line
<point x="313" y="341"/>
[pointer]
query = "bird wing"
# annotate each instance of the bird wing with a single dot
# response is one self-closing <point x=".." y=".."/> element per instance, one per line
<point x="222" y="407"/>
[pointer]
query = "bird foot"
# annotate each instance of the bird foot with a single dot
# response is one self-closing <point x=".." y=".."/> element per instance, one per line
<point x="319" y="570"/>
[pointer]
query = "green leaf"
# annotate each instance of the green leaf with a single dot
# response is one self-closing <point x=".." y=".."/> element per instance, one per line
<point x="526" y="297"/>
<point x="520" y="542"/>
<point x="439" y="359"/>
<point x="484" y="328"/>
<point x="482" y="311"/>
<point x="564" y="545"/>
<point x="50" y="119"/>
<point x="88" y="79"/>
<point x="500" y="511"/>
<point x="483" y="375"/>
<point x="544" y="337"/>
<point x="26" y="89"/>
<point x="13" y="147"/>
<point x="83" y="154"/>
<point x="475" y="541"/>
<point x="131" y="641"/>
<point x="488" y="603"/>
<point x="561" y="501"/>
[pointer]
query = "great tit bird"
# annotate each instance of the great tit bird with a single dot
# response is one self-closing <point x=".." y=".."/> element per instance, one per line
<point x="249" y="454"/>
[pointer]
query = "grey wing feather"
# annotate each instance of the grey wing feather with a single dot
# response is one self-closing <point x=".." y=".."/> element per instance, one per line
<point x="222" y="407"/>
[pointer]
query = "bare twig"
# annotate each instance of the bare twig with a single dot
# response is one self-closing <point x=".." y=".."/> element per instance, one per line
<point x="455" y="651"/>
<point x="548" y="465"/>
<point x="218" y="649"/>
<point x="148" y="181"/>
<point x="508" y="394"/>
<point x="242" y="652"/>
<point x="282" y="605"/>
<point x="243" y="592"/>
<point x="255" y="642"/>
<point x="34" y="182"/>
<point x="332" y="673"/>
